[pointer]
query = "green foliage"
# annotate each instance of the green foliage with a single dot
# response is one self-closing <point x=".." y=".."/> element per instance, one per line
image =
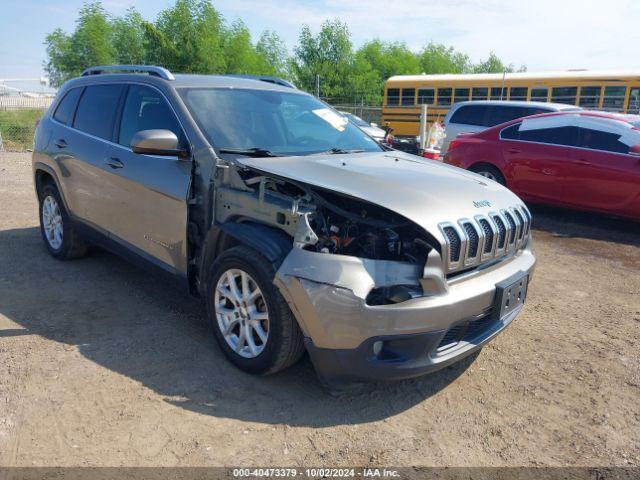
<point x="191" y="36"/>
<point x="17" y="127"/>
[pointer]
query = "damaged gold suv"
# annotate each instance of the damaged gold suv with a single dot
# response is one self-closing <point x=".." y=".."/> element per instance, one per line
<point x="297" y="229"/>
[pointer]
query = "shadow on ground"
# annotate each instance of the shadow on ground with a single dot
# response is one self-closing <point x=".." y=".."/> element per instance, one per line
<point x="130" y="322"/>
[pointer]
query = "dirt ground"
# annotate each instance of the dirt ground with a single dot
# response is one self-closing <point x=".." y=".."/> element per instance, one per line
<point x="102" y="364"/>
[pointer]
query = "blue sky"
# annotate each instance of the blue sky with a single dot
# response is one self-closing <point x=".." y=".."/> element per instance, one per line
<point x="544" y="35"/>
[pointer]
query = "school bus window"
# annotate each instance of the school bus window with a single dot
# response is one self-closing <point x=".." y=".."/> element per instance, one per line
<point x="408" y="97"/>
<point x="589" y="97"/>
<point x="479" y="93"/>
<point x="614" y="98"/>
<point x="426" y="96"/>
<point x="498" y="93"/>
<point x="444" y="96"/>
<point x="634" y="101"/>
<point x="393" y="96"/>
<point x="461" y="95"/>
<point x="539" y="94"/>
<point x="564" y="95"/>
<point x="518" y="93"/>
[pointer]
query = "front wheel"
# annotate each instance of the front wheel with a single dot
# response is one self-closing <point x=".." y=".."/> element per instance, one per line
<point x="250" y="319"/>
<point x="58" y="232"/>
<point x="490" y="172"/>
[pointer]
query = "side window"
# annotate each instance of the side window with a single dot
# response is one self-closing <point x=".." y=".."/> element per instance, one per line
<point x="599" y="140"/>
<point x="498" y="93"/>
<point x="564" y="95"/>
<point x="469" y="115"/>
<point x="66" y="108"/>
<point x="614" y="98"/>
<point x="146" y="109"/>
<point x="461" y="95"/>
<point x="408" y="97"/>
<point x="500" y="114"/>
<point x="512" y="132"/>
<point x="393" y="96"/>
<point x="539" y="94"/>
<point x="426" y="96"/>
<point x="518" y="93"/>
<point x="444" y="96"/>
<point x="479" y="93"/>
<point x="634" y="101"/>
<point x="97" y="110"/>
<point x="589" y="97"/>
<point x="564" y="136"/>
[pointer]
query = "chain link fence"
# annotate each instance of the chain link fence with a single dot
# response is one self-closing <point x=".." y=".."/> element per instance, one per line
<point x="18" y="117"/>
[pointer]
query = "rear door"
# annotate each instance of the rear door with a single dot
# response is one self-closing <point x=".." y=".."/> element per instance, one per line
<point x="604" y="175"/>
<point x="148" y="205"/>
<point x="538" y="160"/>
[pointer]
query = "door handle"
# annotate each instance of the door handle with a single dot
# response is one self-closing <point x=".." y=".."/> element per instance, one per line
<point x="61" y="143"/>
<point x="114" y="162"/>
<point x="514" y="150"/>
<point x="581" y="161"/>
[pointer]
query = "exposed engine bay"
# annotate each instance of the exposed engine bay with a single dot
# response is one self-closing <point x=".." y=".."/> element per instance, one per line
<point x="321" y="220"/>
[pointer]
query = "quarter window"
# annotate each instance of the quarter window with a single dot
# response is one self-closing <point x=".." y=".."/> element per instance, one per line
<point x="426" y="96"/>
<point x="614" y="98"/>
<point x="146" y="109"/>
<point x="444" y="96"/>
<point x="393" y="96"/>
<point x="408" y="97"/>
<point x="97" y="110"/>
<point x="512" y="132"/>
<point x="518" y="93"/>
<point x="479" y="93"/>
<point x="64" y="112"/>
<point x="599" y="140"/>
<point x="564" y="95"/>
<point x="589" y="97"/>
<point x="539" y="94"/>
<point x="461" y="95"/>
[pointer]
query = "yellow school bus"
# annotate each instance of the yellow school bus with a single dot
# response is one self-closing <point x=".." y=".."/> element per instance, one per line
<point x="612" y="90"/>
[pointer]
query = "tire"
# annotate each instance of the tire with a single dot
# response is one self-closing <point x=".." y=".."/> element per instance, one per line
<point x="490" y="172"/>
<point x="57" y="230"/>
<point x="238" y="321"/>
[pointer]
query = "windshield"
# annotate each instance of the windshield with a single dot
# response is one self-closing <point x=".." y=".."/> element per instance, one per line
<point x="356" y="120"/>
<point x="278" y="123"/>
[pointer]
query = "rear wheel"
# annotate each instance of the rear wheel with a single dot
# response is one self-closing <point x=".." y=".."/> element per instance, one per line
<point x="58" y="232"/>
<point x="490" y="172"/>
<point x="251" y="320"/>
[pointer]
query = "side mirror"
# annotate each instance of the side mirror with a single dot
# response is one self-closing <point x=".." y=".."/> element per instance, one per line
<point x="157" y="142"/>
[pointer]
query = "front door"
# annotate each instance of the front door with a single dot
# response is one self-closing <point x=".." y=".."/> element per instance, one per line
<point x="148" y="204"/>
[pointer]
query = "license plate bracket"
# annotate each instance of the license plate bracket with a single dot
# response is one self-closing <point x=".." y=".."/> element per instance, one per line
<point x="511" y="294"/>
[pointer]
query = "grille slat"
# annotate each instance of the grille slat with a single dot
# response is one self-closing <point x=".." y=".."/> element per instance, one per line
<point x="511" y="228"/>
<point x="502" y="231"/>
<point x="522" y="225"/>
<point x="474" y="239"/>
<point x="488" y="235"/>
<point x="454" y="243"/>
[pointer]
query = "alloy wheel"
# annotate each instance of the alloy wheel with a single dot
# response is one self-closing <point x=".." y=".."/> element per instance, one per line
<point x="52" y="222"/>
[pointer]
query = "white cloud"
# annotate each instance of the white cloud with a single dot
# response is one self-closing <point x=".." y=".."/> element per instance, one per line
<point x="544" y="35"/>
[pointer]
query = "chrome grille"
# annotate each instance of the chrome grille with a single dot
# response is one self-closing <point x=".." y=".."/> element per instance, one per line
<point x="470" y="242"/>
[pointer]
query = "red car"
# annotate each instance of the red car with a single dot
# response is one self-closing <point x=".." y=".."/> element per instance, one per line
<point x="582" y="160"/>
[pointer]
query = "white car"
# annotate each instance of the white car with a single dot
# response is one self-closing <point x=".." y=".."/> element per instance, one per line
<point x="475" y="116"/>
<point x="370" y="129"/>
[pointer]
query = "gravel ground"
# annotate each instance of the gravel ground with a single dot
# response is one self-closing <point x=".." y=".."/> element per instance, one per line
<point x="102" y="364"/>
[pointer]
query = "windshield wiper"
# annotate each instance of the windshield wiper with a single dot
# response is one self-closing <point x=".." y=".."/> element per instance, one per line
<point x="341" y="151"/>
<point x="249" y="152"/>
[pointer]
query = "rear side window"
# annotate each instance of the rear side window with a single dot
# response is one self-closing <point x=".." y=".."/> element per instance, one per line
<point x="589" y="97"/>
<point x="564" y="95"/>
<point x="470" y="115"/>
<point x="599" y="140"/>
<point x="408" y="96"/>
<point x="64" y="112"/>
<point x="500" y="114"/>
<point x="97" y="110"/>
<point x="426" y="96"/>
<point x="393" y="96"/>
<point x="444" y="96"/>
<point x="146" y="109"/>
<point x="564" y="136"/>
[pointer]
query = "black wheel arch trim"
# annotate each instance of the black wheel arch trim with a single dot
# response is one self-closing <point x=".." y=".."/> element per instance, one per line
<point x="43" y="167"/>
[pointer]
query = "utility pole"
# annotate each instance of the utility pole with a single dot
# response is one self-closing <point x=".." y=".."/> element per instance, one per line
<point x="318" y="86"/>
<point x="504" y="74"/>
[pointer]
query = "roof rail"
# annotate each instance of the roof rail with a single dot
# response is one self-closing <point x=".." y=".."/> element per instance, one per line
<point x="264" y="78"/>
<point x="149" y="69"/>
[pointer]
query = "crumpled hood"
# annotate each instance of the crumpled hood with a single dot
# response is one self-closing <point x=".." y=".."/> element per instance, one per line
<point x="424" y="191"/>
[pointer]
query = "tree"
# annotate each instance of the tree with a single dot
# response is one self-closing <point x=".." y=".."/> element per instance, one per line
<point x="438" y="58"/>
<point x="272" y="55"/>
<point x="128" y="38"/>
<point x="239" y="52"/>
<point x="492" y="65"/>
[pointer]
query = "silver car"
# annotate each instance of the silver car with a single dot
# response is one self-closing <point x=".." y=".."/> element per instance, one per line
<point x="370" y="129"/>
<point x="298" y="231"/>
<point x="475" y="116"/>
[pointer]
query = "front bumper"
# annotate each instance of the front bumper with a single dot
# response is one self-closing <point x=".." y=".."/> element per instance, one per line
<point x="341" y="328"/>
